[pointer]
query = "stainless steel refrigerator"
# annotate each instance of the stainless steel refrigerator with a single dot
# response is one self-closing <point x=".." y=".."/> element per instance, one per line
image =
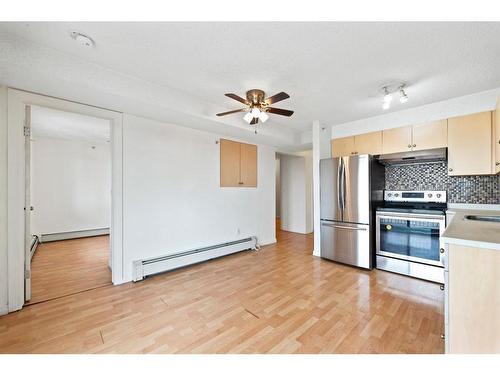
<point x="350" y="189"/>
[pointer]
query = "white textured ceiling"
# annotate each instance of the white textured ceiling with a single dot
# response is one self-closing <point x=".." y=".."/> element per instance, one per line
<point x="179" y="71"/>
<point x="47" y="122"/>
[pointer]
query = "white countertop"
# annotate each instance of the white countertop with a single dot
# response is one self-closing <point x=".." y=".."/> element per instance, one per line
<point x="482" y="234"/>
<point x="467" y="206"/>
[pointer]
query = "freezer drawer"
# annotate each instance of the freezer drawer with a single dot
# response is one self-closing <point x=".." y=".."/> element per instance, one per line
<point x="346" y="243"/>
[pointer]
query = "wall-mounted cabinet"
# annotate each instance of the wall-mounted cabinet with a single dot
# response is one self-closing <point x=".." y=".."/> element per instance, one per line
<point x="397" y="140"/>
<point x="469" y="144"/>
<point x="368" y="143"/>
<point x="238" y="164"/>
<point x="416" y="137"/>
<point x="430" y="135"/>
<point x="473" y="142"/>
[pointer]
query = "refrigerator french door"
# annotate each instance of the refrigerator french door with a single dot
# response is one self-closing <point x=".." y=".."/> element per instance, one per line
<point x="345" y="192"/>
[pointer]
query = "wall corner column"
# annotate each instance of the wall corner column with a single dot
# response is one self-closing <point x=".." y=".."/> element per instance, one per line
<point x="321" y="136"/>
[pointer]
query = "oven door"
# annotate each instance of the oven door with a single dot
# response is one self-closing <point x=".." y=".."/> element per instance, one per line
<point x="413" y="237"/>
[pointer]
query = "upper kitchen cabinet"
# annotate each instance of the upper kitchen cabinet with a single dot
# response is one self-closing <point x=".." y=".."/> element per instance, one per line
<point x="238" y="164"/>
<point x="342" y="146"/>
<point x="430" y="135"/>
<point x="397" y="140"/>
<point x="470" y="144"/>
<point x="368" y="143"/>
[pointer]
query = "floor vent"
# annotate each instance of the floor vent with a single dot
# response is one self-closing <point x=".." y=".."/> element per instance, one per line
<point x="147" y="267"/>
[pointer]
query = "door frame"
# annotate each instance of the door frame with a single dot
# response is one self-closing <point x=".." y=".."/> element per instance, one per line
<point x="17" y="100"/>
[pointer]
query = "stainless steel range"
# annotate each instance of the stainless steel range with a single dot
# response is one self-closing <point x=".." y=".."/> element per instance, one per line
<point x="408" y="233"/>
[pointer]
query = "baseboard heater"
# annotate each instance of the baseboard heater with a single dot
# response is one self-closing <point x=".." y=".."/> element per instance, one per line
<point x="147" y="267"/>
<point x="49" y="237"/>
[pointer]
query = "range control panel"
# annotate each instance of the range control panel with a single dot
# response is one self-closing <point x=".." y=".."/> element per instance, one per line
<point x="415" y="196"/>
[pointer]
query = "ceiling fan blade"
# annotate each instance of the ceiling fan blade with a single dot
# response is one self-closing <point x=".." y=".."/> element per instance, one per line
<point x="254" y="121"/>
<point x="236" y="97"/>
<point x="277" y="98"/>
<point x="279" y="111"/>
<point x="229" y="112"/>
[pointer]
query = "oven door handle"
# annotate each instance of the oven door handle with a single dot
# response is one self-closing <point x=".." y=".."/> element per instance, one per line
<point x="403" y="216"/>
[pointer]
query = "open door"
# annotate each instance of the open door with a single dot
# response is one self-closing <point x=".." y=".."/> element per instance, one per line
<point x="27" y="204"/>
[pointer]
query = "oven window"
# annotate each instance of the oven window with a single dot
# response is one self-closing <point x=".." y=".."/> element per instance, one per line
<point x="418" y="239"/>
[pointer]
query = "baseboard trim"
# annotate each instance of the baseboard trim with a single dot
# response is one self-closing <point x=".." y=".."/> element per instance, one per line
<point x="4" y="310"/>
<point x="72" y="235"/>
<point x="269" y="241"/>
<point x="34" y="245"/>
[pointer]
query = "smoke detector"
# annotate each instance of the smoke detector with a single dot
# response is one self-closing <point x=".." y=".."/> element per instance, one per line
<point x="82" y="39"/>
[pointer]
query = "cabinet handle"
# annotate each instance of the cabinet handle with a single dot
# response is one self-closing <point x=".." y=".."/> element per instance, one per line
<point x="442" y="336"/>
<point x="414" y="145"/>
<point x="441" y="287"/>
<point x="441" y="251"/>
<point x="240" y="183"/>
<point x="450" y="169"/>
<point x="497" y="163"/>
<point x="409" y="146"/>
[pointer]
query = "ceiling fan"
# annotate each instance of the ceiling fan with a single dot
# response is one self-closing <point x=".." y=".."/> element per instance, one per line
<point x="258" y="106"/>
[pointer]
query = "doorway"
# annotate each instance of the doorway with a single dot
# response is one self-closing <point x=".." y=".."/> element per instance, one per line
<point x="68" y="187"/>
<point x="294" y="199"/>
<point x="19" y="235"/>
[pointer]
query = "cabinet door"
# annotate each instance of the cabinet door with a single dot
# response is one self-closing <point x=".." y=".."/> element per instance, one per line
<point x="396" y="140"/>
<point x="473" y="300"/>
<point x="229" y="163"/>
<point x="369" y="143"/>
<point x="430" y="135"/>
<point x="469" y="144"/>
<point x="497" y="138"/>
<point x="248" y="165"/>
<point x="342" y="147"/>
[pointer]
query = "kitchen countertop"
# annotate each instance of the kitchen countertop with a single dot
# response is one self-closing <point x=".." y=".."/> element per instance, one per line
<point x="482" y="234"/>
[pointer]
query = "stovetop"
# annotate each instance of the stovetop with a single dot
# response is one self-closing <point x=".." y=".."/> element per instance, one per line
<point x="418" y="202"/>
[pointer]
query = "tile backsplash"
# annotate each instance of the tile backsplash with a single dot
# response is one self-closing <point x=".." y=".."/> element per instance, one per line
<point x="434" y="176"/>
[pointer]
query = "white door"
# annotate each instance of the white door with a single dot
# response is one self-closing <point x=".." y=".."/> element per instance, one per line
<point x="27" y="205"/>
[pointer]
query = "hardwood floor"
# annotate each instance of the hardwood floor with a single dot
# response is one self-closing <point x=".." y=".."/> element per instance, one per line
<point x="280" y="299"/>
<point x="65" y="267"/>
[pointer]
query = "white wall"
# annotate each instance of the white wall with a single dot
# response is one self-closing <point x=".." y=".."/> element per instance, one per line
<point x="321" y="150"/>
<point x="3" y="202"/>
<point x="296" y="192"/>
<point x="70" y="185"/>
<point x="278" y="186"/>
<point x="172" y="198"/>
<point x="308" y="158"/>
<point x="478" y="102"/>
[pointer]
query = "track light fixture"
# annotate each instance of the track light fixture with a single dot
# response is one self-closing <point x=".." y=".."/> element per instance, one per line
<point x="403" y="98"/>
<point x="389" y="90"/>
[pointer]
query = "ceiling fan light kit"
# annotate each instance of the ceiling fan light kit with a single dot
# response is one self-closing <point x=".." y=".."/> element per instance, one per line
<point x="389" y="90"/>
<point x="258" y="106"/>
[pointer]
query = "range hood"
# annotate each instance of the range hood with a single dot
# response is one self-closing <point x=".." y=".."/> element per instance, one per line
<point x="414" y="157"/>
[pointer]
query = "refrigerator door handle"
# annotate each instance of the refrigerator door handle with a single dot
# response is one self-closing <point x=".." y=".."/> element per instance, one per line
<point x="339" y="189"/>
<point x="344" y="188"/>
